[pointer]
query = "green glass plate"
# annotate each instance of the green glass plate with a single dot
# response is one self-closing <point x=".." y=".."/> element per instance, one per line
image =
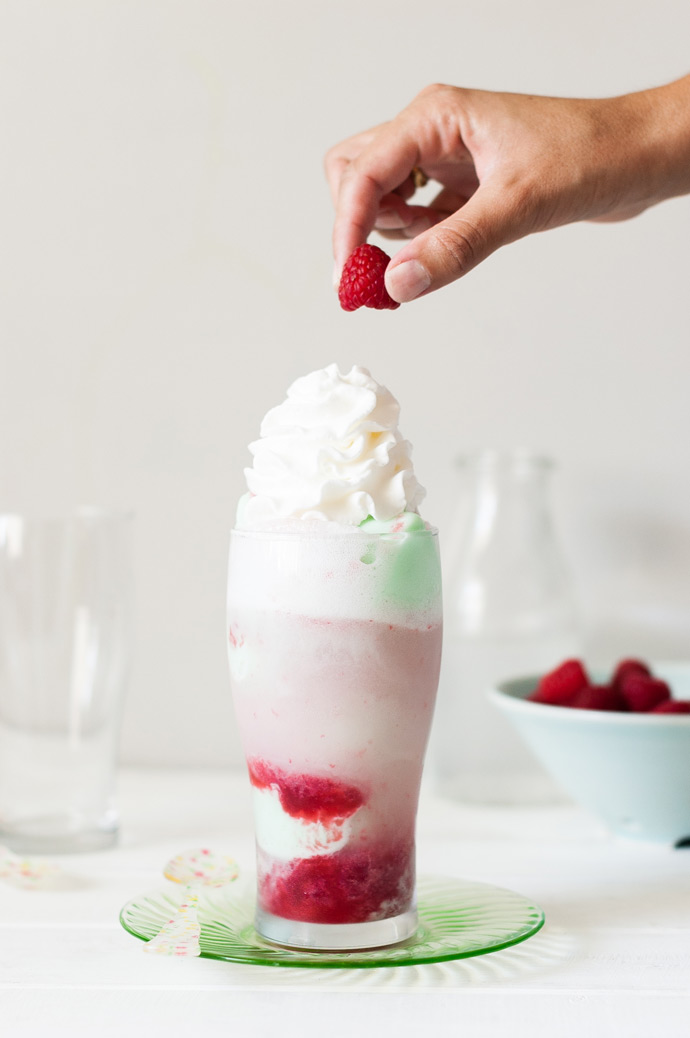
<point x="457" y="919"/>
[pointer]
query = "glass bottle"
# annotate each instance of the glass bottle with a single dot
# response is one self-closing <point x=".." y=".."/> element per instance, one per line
<point x="509" y="611"/>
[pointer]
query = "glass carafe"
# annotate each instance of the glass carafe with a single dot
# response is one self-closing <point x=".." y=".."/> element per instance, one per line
<point x="509" y="611"/>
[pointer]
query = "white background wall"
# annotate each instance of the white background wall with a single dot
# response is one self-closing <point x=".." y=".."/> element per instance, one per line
<point x="165" y="272"/>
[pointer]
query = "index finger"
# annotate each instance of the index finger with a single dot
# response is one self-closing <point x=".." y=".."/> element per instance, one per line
<point x="337" y="159"/>
<point x="384" y="164"/>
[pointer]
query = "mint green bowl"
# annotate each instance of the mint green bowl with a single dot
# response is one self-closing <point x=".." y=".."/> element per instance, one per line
<point x="631" y="770"/>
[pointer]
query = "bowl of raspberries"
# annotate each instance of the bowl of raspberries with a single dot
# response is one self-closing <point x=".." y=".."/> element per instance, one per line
<point x="618" y="742"/>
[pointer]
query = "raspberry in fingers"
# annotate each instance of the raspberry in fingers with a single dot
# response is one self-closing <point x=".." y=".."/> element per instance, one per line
<point x="362" y="281"/>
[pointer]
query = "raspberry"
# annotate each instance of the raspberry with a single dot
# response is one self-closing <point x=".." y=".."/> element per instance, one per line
<point x="672" y="706"/>
<point x="599" y="697"/>
<point x="560" y="686"/>
<point x="643" y="693"/>
<point x="629" y="667"/>
<point x="361" y="282"/>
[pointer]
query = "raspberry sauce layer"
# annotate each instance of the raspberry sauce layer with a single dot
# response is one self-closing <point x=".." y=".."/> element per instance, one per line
<point x="352" y="886"/>
<point x="307" y="797"/>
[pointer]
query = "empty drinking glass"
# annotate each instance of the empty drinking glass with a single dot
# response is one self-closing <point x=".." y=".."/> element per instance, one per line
<point x="65" y="620"/>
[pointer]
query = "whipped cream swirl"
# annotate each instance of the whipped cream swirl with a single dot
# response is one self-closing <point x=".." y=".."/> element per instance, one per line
<point x="332" y="450"/>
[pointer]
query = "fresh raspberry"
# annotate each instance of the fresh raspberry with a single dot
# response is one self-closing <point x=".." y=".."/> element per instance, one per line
<point x="672" y="706"/>
<point x="361" y="282"/>
<point x="559" y="686"/>
<point x="627" y="668"/>
<point x="643" y="693"/>
<point x="599" y="697"/>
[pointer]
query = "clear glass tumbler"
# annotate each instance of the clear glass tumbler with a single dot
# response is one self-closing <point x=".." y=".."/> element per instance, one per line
<point x="65" y="618"/>
<point x="334" y="650"/>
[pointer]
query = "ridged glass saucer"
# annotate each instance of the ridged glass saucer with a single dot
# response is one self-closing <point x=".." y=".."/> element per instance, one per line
<point x="457" y="919"/>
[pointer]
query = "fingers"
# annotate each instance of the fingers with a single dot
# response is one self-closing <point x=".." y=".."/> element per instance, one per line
<point x="453" y="247"/>
<point x="381" y="168"/>
<point x="406" y="189"/>
<point x="370" y="175"/>
<point x="396" y="219"/>
<point x="370" y="178"/>
<point x="338" y="158"/>
<point x="358" y="208"/>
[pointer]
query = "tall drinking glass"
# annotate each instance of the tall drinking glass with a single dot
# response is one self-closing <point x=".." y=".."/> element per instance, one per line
<point x="64" y="656"/>
<point x="334" y="649"/>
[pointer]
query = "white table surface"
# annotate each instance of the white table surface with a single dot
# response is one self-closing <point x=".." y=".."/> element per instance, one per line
<point x="612" y="959"/>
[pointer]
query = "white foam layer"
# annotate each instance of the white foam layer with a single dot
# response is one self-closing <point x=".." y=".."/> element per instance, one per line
<point x="391" y="578"/>
<point x="281" y="836"/>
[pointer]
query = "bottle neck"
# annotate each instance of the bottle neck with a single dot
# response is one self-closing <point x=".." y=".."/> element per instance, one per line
<point x="508" y="572"/>
<point x="507" y="498"/>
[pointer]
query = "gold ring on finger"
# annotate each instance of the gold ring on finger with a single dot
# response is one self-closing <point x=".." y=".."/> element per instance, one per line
<point x="419" y="177"/>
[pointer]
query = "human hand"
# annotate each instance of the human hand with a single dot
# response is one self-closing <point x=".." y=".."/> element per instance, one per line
<point x="508" y="165"/>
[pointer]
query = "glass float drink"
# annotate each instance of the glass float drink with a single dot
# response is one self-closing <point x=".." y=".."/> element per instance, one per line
<point x="334" y="647"/>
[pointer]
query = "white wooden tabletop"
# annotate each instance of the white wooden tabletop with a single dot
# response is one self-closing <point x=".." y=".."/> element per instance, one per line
<point x="612" y="959"/>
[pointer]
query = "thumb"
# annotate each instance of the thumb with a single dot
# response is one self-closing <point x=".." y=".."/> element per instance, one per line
<point x="453" y="247"/>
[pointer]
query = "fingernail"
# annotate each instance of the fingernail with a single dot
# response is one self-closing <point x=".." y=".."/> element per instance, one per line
<point x="389" y="220"/>
<point x="407" y="281"/>
<point x="422" y="223"/>
<point x="336" y="276"/>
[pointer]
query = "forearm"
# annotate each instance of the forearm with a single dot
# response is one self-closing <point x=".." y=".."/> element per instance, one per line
<point x="675" y="100"/>
<point x="658" y="136"/>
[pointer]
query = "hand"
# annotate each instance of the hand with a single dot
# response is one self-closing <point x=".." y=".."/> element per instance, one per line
<point x="508" y="165"/>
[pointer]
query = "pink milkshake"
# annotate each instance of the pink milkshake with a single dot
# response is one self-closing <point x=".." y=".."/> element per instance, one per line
<point x="334" y="647"/>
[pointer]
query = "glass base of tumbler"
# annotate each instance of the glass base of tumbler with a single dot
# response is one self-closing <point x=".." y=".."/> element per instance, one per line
<point x="335" y="936"/>
<point x="59" y="834"/>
